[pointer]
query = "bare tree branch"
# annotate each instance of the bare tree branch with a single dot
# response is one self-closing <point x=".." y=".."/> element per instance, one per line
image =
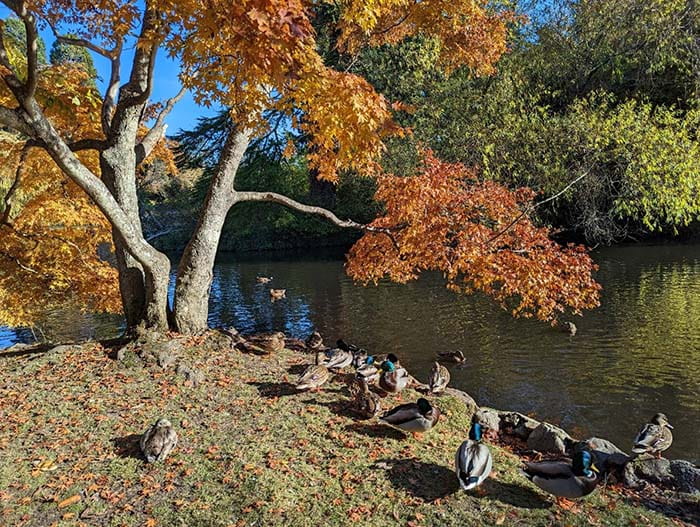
<point x="157" y="132"/>
<point x="75" y="146"/>
<point x="32" y="38"/>
<point x="531" y="208"/>
<point x="83" y="43"/>
<point x="112" y="89"/>
<point x="7" y="212"/>
<point x="273" y="197"/>
<point x="114" y="56"/>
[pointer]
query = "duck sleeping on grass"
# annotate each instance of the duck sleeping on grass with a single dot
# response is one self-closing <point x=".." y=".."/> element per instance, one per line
<point x="565" y="479"/>
<point x="654" y="437"/>
<point x="473" y="461"/>
<point x="415" y="417"/>
<point x="337" y="359"/>
<point x="158" y="441"/>
<point x="315" y="376"/>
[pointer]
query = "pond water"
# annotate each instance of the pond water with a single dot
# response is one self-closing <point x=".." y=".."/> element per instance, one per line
<point x="638" y="354"/>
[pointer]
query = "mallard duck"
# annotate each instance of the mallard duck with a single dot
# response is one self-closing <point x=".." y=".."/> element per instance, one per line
<point x="269" y="342"/>
<point x="654" y="437"/>
<point x="451" y="356"/>
<point x="379" y="359"/>
<point x="393" y="379"/>
<point x="368" y="370"/>
<point x="337" y="359"/>
<point x="565" y="479"/>
<point x="278" y="294"/>
<point x="415" y="417"/>
<point x="473" y="461"/>
<point x="264" y="279"/>
<point x="314" y="341"/>
<point x="313" y="377"/>
<point x="570" y="328"/>
<point x="365" y="403"/>
<point x="439" y="378"/>
<point x="158" y="441"/>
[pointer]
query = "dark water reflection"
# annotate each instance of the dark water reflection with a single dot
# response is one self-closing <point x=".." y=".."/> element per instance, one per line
<point x="636" y="355"/>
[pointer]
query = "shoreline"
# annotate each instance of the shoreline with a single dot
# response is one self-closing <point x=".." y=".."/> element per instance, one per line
<point x="252" y="392"/>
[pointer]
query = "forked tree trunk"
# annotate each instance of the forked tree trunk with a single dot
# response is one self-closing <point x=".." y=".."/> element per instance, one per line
<point x="196" y="269"/>
<point x="143" y="288"/>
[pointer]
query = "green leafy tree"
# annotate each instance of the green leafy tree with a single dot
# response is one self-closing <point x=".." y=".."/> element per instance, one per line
<point x="63" y="53"/>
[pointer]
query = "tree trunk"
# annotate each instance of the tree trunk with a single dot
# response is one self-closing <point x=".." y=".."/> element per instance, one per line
<point x="196" y="269"/>
<point x="144" y="292"/>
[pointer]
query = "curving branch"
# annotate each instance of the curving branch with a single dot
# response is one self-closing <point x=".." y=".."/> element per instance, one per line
<point x="32" y="36"/>
<point x="83" y="43"/>
<point x="157" y="132"/>
<point x="114" y="57"/>
<point x="273" y="197"/>
<point x="110" y="101"/>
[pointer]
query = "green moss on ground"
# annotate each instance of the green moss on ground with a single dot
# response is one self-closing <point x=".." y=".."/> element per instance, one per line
<point x="252" y="451"/>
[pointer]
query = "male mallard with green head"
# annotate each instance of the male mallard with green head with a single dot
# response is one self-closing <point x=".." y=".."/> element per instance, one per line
<point x="565" y="479"/>
<point x="368" y="370"/>
<point x="415" y="417"/>
<point x="473" y="461"/>
<point x="393" y="379"/>
<point x="654" y="437"/>
<point x="439" y="378"/>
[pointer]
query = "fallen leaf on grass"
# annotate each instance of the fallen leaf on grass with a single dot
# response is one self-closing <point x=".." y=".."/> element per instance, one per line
<point x="69" y="501"/>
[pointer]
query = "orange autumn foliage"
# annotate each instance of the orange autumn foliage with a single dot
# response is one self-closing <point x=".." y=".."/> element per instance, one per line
<point x="475" y="233"/>
<point x="54" y="242"/>
<point x="257" y="55"/>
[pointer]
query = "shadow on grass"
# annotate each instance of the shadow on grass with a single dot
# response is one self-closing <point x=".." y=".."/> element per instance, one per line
<point x="128" y="446"/>
<point x="339" y="408"/>
<point x="376" y="430"/>
<point x="512" y="494"/>
<point x="21" y="350"/>
<point x="275" y="389"/>
<point x="297" y="369"/>
<point x="674" y="505"/>
<point x="427" y="481"/>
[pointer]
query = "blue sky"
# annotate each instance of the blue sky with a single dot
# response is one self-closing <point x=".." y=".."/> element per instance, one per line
<point x="166" y="84"/>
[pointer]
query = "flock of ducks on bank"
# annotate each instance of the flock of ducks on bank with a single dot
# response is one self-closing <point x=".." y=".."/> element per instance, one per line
<point x="377" y="376"/>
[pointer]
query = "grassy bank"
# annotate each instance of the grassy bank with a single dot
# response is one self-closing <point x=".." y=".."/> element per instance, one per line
<point x="252" y="451"/>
